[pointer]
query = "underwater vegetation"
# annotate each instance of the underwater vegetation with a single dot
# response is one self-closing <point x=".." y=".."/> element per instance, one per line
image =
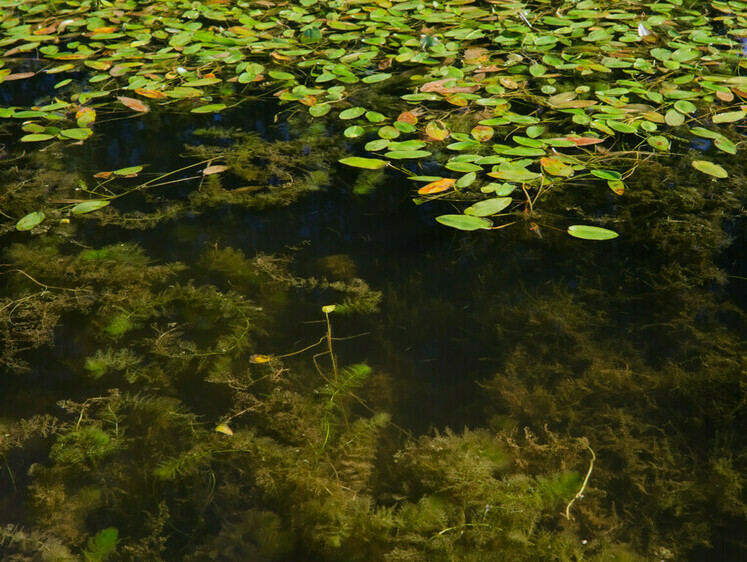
<point x="226" y="453"/>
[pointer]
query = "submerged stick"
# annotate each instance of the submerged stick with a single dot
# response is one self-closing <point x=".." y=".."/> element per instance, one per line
<point x="580" y="493"/>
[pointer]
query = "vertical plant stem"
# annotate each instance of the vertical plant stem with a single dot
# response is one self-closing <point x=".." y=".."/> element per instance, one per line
<point x="580" y="493"/>
<point x="329" y="345"/>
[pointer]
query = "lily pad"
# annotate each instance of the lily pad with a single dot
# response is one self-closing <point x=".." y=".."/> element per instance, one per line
<point x="404" y="154"/>
<point x="586" y="232"/>
<point x="77" y="134"/>
<point x="437" y="186"/>
<point x="488" y="207"/>
<point x="129" y="171"/>
<point x="30" y="221"/>
<point x="729" y="117"/>
<point x="89" y="206"/>
<point x="659" y="143"/>
<point x="710" y="168"/>
<point x="555" y="167"/>
<point x="367" y="163"/>
<point x="353" y="132"/>
<point x="36" y="137"/>
<point x="352" y="113"/>
<point x="437" y="130"/>
<point x="465" y="222"/>
<point x="520" y="175"/>
<point x="210" y="108"/>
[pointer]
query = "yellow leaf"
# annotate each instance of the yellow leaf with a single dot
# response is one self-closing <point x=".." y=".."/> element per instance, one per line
<point x="223" y="428"/>
<point x="154" y="94"/>
<point x="436" y="186"/>
<point x="214" y="170"/>
<point x="260" y="358"/>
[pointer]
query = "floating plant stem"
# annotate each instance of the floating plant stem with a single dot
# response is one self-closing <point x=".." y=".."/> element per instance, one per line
<point x="580" y="493"/>
<point x="327" y="310"/>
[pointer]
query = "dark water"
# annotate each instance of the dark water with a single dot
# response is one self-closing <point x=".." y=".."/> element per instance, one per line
<point x="456" y="306"/>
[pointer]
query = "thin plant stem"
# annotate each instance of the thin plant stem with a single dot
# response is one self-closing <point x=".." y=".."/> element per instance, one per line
<point x="329" y="344"/>
<point x="580" y="493"/>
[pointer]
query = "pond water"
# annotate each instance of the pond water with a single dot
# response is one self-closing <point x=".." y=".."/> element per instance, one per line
<point x="291" y="359"/>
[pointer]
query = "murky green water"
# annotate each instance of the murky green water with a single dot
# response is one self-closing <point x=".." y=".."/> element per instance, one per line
<point x="176" y="384"/>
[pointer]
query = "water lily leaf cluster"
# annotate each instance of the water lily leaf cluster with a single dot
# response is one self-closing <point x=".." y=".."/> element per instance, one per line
<point x="532" y="94"/>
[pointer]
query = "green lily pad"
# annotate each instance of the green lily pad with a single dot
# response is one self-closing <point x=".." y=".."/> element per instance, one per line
<point x="729" y="117"/>
<point x="130" y="170"/>
<point x="722" y="143"/>
<point x="388" y="132"/>
<point x="685" y="107"/>
<point x="464" y="222"/>
<point x="36" y="137"/>
<point x="353" y="132"/>
<point x="710" y="168"/>
<point x="320" y="109"/>
<point x="658" y="142"/>
<point x="89" y="206"/>
<point x="586" y="232"/>
<point x="30" y="221"/>
<point x="352" y="113"/>
<point x="378" y="144"/>
<point x="404" y="154"/>
<point x="674" y="118"/>
<point x="375" y="116"/>
<point x="373" y="78"/>
<point x="463" y="167"/>
<point x="520" y="175"/>
<point x="77" y="134"/>
<point x="607" y="174"/>
<point x="210" y="108"/>
<point x="367" y="163"/>
<point x="488" y="207"/>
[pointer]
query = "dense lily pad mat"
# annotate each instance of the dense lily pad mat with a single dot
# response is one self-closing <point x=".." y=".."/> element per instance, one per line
<point x="535" y="95"/>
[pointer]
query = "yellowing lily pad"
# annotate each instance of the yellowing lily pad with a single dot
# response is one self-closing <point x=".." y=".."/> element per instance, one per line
<point x="710" y="168"/>
<point x="438" y="186"/>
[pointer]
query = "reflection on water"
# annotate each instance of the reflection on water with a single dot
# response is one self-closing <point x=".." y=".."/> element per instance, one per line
<point x="634" y="346"/>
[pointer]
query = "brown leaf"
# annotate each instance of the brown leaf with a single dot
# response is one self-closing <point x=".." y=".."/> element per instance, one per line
<point x="576" y="104"/>
<point x="438" y="87"/>
<point x="18" y="76"/>
<point x="135" y="105"/>
<point x="476" y="55"/>
<point x="214" y="170"/>
<point x="408" y="117"/>
<point x="583" y="141"/>
<point x="509" y="83"/>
